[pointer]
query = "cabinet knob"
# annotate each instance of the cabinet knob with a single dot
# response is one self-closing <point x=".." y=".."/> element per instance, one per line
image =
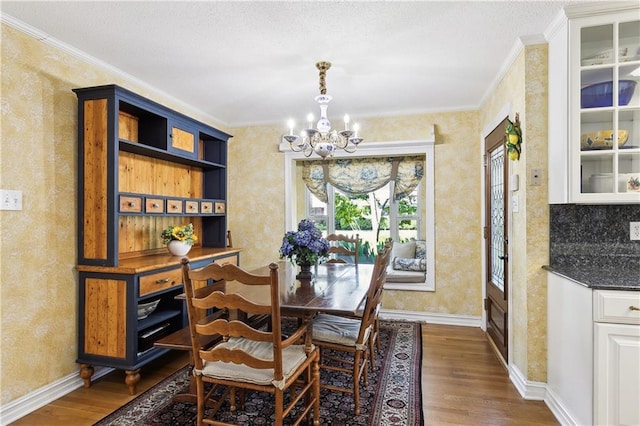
<point x="132" y="203"/>
<point x="155" y="205"/>
<point x="634" y="308"/>
<point x="162" y="281"/>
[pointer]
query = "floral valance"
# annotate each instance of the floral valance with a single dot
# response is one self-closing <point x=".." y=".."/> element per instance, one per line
<point x="362" y="175"/>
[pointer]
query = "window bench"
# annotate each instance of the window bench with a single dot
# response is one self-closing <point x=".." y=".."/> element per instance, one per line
<point x="407" y="268"/>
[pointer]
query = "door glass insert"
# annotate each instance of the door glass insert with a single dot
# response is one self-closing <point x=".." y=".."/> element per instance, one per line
<point x="497" y="217"/>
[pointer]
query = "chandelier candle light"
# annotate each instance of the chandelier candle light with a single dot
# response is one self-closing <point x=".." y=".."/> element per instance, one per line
<point x="322" y="140"/>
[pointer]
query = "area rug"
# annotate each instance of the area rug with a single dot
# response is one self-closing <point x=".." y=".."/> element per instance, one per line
<point x="393" y="396"/>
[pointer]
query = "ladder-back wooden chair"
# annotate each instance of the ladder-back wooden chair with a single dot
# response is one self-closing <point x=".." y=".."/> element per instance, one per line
<point x="374" y="339"/>
<point x="351" y="337"/>
<point x="341" y="245"/>
<point x="249" y="358"/>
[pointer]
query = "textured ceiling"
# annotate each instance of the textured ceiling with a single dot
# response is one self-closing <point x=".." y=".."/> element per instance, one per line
<point x="254" y="62"/>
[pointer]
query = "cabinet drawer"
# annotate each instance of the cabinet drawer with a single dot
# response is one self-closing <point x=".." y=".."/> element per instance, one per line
<point x="174" y="206"/>
<point x="160" y="281"/>
<point x="130" y="204"/>
<point x="220" y="207"/>
<point x="154" y="205"/>
<point x="206" y="207"/>
<point x="227" y="260"/>
<point x="191" y="206"/>
<point x="620" y="307"/>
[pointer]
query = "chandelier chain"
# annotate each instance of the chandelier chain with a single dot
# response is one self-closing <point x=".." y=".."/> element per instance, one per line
<point x="323" y="67"/>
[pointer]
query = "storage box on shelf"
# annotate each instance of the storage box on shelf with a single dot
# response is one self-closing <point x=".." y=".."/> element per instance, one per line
<point x="142" y="167"/>
<point x="594" y="135"/>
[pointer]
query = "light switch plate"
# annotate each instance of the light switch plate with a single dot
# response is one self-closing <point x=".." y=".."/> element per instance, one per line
<point x="10" y="199"/>
<point x="535" y="177"/>
<point x="634" y="231"/>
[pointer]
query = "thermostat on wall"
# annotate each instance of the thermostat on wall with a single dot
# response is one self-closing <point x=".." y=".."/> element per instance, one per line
<point x="514" y="182"/>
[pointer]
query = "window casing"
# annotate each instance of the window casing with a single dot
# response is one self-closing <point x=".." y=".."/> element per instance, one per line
<point x="295" y="195"/>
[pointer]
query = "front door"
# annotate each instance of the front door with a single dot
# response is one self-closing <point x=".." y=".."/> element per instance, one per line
<point x="496" y="239"/>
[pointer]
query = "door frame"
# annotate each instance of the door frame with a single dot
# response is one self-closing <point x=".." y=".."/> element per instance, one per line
<point x="486" y="130"/>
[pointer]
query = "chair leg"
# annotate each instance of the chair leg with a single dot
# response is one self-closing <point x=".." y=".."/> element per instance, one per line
<point x="201" y="400"/>
<point x="371" y="351"/>
<point x="232" y="399"/>
<point x="279" y="408"/>
<point x="315" y="368"/>
<point x="356" y="382"/>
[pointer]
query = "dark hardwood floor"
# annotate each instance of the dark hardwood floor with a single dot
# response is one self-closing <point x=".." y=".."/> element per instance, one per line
<point x="463" y="384"/>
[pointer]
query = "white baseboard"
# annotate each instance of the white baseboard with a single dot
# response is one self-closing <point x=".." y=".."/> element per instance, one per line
<point x="558" y="409"/>
<point x="541" y="392"/>
<point x="527" y="389"/>
<point x="30" y="402"/>
<point x="445" y="319"/>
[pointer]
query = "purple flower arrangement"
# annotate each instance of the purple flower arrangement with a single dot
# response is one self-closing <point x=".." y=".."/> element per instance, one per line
<point x="306" y="245"/>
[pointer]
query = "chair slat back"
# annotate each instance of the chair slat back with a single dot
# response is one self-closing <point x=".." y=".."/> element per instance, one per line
<point x="234" y="286"/>
<point x="374" y="294"/>
<point x="340" y="244"/>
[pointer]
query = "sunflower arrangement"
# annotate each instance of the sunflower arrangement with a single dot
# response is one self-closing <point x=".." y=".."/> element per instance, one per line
<point x="179" y="233"/>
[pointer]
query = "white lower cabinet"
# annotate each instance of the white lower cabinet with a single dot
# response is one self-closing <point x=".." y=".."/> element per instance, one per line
<point x="616" y="358"/>
<point x="593" y="354"/>
<point x="569" y="351"/>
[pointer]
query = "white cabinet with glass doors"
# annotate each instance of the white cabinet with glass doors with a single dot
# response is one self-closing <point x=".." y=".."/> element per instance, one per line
<point x="602" y="134"/>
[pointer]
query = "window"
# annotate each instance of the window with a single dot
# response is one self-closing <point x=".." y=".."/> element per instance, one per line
<point x="373" y="216"/>
<point x="295" y="194"/>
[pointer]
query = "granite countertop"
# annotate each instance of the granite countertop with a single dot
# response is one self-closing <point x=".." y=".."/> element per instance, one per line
<point x="600" y="277"/>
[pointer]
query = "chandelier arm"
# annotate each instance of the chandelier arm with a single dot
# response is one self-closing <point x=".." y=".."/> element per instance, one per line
<point x="350" y="150"/>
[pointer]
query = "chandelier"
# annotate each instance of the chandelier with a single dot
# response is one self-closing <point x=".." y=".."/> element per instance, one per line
<point x="322" y="140"/>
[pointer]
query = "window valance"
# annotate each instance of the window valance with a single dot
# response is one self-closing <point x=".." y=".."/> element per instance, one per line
<point x="357" y="176"/>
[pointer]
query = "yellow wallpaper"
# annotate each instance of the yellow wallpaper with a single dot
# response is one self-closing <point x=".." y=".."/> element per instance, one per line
<point x="256" y="203"/>
<point x="524" y="88"/>
<point x="38" y="156"/>
<point x="38" y="293"/>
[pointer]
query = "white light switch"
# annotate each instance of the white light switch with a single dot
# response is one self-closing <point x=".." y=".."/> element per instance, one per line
<point x="10" y="199"/>
<point x="515" y="204"/>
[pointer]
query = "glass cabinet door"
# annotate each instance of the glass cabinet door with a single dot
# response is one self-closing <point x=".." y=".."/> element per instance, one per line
<point x="610" y="110"/>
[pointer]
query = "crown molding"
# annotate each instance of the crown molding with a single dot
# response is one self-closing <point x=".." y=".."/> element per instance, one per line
<point x="85" y="57"/>
<point x="598" y="8"/>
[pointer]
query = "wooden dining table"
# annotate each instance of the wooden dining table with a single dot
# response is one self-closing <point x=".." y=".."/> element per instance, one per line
<point x="338" y="288"/>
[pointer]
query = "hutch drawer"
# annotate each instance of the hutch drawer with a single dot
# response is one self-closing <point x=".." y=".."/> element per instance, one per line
<point x="191" y="207"/>
<point x="154" y="205"/>
<point x="206" y="207"/>
<point x="174" y="206"/>
<point x="130" y="204"/>
<point x="160" y="281"/>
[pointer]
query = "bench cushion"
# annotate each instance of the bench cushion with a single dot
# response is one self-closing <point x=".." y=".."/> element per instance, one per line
<point x="395" y="276"/>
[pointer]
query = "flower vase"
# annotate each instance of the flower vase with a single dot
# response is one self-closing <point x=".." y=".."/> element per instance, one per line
<point x="305" y="272"/>
<point x="178" y="248"/>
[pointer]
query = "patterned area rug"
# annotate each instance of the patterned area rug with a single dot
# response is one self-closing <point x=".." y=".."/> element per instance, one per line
<point x="393" y="396"/>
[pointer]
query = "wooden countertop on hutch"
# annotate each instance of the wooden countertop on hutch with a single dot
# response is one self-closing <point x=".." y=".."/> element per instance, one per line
<point x="136" y="265"/>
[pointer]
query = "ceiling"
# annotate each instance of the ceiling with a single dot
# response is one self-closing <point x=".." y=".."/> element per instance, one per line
<point x="248" y="62"/>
